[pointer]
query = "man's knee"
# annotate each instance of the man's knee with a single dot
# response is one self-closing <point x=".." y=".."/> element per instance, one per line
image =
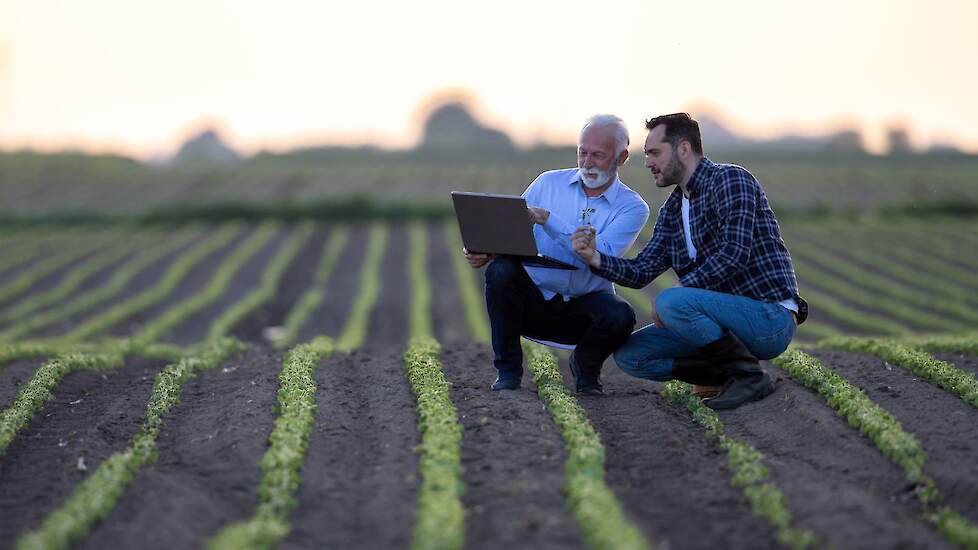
<point x="639" y="365"/>
<point x="619" y="318"/>
<point x="670" y="300"/>
<point x="502" y="272"/>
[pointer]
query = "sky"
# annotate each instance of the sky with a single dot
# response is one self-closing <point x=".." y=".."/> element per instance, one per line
<point x="138" y="77"/>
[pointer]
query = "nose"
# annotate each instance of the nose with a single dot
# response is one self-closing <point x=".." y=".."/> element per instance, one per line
<point x="648" y="163"/>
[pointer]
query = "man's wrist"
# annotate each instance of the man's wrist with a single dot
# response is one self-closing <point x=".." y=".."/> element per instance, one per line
<point x="596" y="260"/>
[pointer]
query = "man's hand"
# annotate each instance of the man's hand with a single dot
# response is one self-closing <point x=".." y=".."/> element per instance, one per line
<point x="477" y="260"/>
<point x="583" y="243"/>
<point x="538" y="215"/>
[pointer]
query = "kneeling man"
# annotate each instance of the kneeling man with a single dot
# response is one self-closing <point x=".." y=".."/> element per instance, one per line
<point x="569" y="307"/>
<point x="737" y="300"/>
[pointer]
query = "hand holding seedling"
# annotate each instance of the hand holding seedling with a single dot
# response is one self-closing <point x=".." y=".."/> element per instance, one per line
<point x="583" y="243"/>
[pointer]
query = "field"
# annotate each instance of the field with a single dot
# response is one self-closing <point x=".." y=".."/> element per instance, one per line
<point x="318" y="384"/>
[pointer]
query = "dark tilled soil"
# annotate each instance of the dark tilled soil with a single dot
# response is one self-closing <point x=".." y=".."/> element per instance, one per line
<point x="294" y="283"/>
<point x="966" y="363"/>
<point x="13" y="376"/>
<point x="92" y="415"/>
<point x="671" y="480"/>
<point x="360" y="480"/>
<point x="142" y="281"/>
<point x="12" y="272"/>
<point x="208" y="471"/>
<point x="341" y="289"/>
<point x="513" y="459"/>
<point x="196" y="328"/>
<point x="835" y="481"/>
<point x="447" y="314"/>
<point x="388" y="327"/>
<point x="945" y="425"/>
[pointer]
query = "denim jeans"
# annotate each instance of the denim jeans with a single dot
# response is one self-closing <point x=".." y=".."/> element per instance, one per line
<point x="597" y="323"/>
<point x="695" y="317"/>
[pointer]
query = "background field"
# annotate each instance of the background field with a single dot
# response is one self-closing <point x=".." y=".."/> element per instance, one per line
<point x="163" y="383"/>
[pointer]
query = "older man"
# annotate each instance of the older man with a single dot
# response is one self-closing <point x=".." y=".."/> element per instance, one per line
<point x="738" y="298"/>
<point x="569" y="307"/>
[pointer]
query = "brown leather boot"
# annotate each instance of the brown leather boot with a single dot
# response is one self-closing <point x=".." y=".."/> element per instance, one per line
<point x="747" y="381"/>
<point x="705" y="392"/>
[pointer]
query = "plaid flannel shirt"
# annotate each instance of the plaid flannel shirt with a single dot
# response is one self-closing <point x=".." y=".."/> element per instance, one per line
<point x="737" y="239"/>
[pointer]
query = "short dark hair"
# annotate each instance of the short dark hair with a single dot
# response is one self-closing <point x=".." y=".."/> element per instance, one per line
<point x="679" y="127"/>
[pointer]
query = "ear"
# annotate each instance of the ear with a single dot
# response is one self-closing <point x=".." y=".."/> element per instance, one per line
<point x="623" y="157"/>
<point x="684" y="149"/>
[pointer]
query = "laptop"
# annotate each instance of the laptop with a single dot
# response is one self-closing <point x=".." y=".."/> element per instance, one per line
<point x="499" y="224"/>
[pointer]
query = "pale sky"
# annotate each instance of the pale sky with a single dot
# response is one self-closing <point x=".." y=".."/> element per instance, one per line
<point x="135" y="77"/>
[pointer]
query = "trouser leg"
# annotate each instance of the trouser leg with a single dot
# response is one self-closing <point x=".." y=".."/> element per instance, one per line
<point x="511" y="296"/>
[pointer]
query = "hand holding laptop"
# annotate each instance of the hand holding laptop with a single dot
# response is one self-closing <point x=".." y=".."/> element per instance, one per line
<point x="538" y="216"/>
<point x="477" y="260"/>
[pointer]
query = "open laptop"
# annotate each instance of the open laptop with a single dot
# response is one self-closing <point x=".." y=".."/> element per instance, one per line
<point x="499" y="224"/>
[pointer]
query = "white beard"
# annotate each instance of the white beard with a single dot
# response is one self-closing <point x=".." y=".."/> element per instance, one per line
<point x="594" y="178"/>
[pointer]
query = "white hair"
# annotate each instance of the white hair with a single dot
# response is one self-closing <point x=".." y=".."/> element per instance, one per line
<point x="604" y="121"/>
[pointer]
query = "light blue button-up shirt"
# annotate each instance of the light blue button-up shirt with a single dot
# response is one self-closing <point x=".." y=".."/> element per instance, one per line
<point x="617" y="215"/>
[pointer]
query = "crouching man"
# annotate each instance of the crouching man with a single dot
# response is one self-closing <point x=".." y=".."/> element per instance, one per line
<point x="737" y="300"/>
<point x="569" y="307"/>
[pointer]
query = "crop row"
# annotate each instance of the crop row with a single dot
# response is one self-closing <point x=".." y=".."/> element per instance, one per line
<point x="77" y="248"/>
<point x="94" y="497"/>
<point x="749" y="473"/>
<point x="896" y="444"/>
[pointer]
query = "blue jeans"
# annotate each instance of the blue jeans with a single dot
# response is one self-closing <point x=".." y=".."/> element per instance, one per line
<point x="695" y="317"/>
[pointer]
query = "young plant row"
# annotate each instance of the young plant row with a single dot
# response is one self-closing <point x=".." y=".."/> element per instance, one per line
<point x="97" y="495"/>
<point x="216" y="287"/>
<point x="77" y="250"/>
<point x="746" y="464"/>
<point x="38" y="389"/>
<point x="71" y="281"/>
<point x="472" y="302"/>
<point x="96" y="296"/>
<point x="314" y="296"/>
<point x="288" y="444"/>
<point x="158" y="292"/>
<point x="966" y="343"/>
<point x="591" y="502"/>
<point x="945" y="375"/>
<point x="887" y="434"/>
<point x="355" y="330"/>
<point x="876" y="292"/>
<point x="269" y="283"/>
<point x="440" y="522"/>
<point x="948" y="289"/>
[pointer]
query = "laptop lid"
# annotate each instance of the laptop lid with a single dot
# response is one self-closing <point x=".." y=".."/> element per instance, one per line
<point x="494" y="224"/>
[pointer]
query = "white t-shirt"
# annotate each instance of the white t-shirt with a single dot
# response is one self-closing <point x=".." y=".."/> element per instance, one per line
<point x="788" y="304"/>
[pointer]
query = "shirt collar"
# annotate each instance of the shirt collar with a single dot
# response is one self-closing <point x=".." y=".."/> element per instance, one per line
<point x="703" y="172"/>
<point x="610" y="194"/>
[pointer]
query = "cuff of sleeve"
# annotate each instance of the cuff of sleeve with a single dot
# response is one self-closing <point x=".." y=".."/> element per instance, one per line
<point x="557" y="228"/>
<point x="600" y="271"/>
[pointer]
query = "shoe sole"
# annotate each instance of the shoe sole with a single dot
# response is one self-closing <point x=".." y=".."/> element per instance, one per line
<point x="763" y="392"/>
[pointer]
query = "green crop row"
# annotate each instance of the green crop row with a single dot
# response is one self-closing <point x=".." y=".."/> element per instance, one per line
<point x="77" y="248"/>
<point x="355" y="330"/>
<point x="922" y="306"/>
<point x="945" y="375"/>
<point x="95" y="497"/>
<point x="590" y="500"/>
<point x="37" y="391"/>
<point x="215" y="288"/>
<point x="946" y="343"/>
<point x="288" y="444"/>
<point x="313" y="296"/>
<point x="167" y="283"/>
<point x="898" y="259"/>
<point x="749" y="473"/>
<point x="269" y="283"/>
<point x="440" y="522"/>
<point x="28" y="349"/>
<point x="71" y="281"/>
<point x="899" y="446"/>
<point x="94" y="297"/>
<point x="851" y="288"/>
<point x="420" y="320"/>
<point x="472" y="301"/>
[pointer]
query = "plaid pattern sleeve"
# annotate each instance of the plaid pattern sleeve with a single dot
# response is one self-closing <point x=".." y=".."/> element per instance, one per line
<point x="651" y="262"/>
